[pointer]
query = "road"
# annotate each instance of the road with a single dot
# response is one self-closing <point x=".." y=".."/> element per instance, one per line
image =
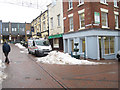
<point x="25" y="72"/>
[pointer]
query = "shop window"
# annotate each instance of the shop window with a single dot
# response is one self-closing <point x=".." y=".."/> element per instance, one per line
<point x="109" y="45"/>
<point x="72" y="45"/>
<point x="56" y="43"/>
<point x="83" y="45"/>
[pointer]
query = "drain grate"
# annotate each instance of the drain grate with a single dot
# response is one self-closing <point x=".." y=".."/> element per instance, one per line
<point x="27" y="77"/>
<point x="38" y="78"/>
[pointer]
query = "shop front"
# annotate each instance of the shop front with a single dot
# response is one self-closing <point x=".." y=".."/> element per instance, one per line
<point x="94" y="44"/>
<point x="56" y="42"/>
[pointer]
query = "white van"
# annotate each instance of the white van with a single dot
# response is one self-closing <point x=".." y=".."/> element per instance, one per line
<point x="39" y="47"/>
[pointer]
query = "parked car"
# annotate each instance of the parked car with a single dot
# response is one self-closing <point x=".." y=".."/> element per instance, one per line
<point x="118" y="55"/>
<point x="39" y="47"/>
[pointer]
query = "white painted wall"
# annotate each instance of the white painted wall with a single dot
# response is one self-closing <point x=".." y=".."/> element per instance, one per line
<point x="54" y="10"/>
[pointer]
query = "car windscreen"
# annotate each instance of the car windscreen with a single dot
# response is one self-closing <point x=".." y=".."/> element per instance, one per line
<point x="42" y="43"/>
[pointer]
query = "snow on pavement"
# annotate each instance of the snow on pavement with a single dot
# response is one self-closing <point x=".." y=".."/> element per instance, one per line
<point x="55" y="57"/>
<point x="2" y="74"/>
<point x="21" y="47"/>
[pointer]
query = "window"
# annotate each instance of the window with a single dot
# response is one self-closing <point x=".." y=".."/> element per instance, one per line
<point x="72" y="42"/>
<point x="44" y="26"/>
<point x="12" y="29"/>
<point x="81" y="2"/>
<point x="43" y="16"/>
<point x="52" y="23"/>
<point x="109" y="45"/>
<point x="7" y="29"/>
<point x="115" y="3"/>
<point x="71" y="23"/>
<point x="56" y="43"/>
<point x="70" y="4"/>
<point x="58" y="16"/>
<point x="23" y="29"/>
<point x="103" y="1"/>
<point x="83" y="45"/>
<point x="116" y="21"/>
<point x="15" y="29"/>
<point x="82" y="20"/>
<point x="104" y="20"/>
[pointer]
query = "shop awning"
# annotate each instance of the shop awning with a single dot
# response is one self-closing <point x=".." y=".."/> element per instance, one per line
<point x="55" y="36"/>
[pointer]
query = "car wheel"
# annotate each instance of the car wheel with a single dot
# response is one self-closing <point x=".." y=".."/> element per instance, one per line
<point x="36" y="54"/>
<point x="29" y="51"/>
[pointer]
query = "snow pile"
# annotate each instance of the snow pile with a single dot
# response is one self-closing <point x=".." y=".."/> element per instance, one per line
<point x="55" y="57"/>
<point x="118" y="52"/>
<point x="19" y="45"/>
<point x="2" y="74"/>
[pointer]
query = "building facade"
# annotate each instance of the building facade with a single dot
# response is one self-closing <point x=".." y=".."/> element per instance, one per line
<point x="28" y="33"/>
<point x="40" y="25"/>
<point x="95" y="26"/>
<point x="0" y="31"/>
<point x="13" y="32"/>
<point x="36" y="25"/>
<point x="56" y="29"/>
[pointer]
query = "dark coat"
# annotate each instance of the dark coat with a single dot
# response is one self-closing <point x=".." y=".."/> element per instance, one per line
<point x="6" y="48"/>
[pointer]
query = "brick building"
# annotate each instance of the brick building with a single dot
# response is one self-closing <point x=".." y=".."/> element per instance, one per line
<point x="94" y="25"/>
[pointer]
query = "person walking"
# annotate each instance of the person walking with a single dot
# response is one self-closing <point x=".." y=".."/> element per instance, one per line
<point x="6" y="49"/>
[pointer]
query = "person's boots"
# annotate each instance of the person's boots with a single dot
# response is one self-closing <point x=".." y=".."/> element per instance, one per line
<point x="8" y="62"/>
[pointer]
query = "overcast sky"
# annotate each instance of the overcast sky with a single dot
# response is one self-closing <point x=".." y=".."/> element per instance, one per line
<point x="15" y="12"/>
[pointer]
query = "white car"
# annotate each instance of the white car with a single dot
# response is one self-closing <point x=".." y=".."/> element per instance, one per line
<point x="118" y="55"/>
<point x="39" y="47"/>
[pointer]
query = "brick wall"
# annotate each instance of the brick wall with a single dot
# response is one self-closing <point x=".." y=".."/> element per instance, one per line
<point x="90" y="8"/>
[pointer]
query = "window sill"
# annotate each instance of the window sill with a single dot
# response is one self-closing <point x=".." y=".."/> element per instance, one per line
<point x="117" y="28"/>
<point x="71" y="31"/>
<point x="109" y="54"/>
<point x="106" y="27"/>
<point x="80" y="4"/>
<point x="58" y="26"/>
<point x="81" y="28"/>
<point x="104" y="3"/>
<point x="116" y="7"/>
<point x="70" y="9"/>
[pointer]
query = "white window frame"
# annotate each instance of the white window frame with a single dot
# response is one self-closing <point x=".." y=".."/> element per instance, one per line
<point x="104" y="11"/>
<point x="58" y="18"/>
<point x="70" y="4"/>
<point x="115" y="3"/>
<point x="71" y="24"/>
<point x="81" y="12"/>
<point x="117" y="26"/>
<point x="81" y="2"/>
<point x="103" y="2"/>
